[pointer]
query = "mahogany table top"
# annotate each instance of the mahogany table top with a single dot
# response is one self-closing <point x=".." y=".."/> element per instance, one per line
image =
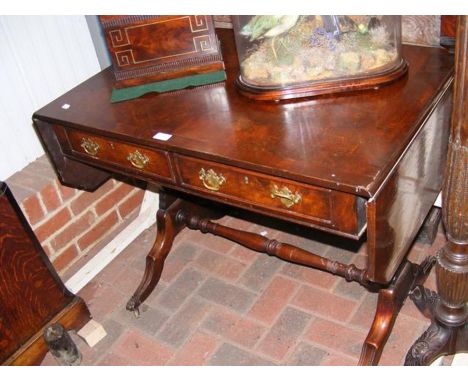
<point x="347" y="142"/>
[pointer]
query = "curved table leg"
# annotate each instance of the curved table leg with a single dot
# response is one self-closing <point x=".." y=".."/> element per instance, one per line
<point x="389" y="304"/>
<point x="167" y="229"/>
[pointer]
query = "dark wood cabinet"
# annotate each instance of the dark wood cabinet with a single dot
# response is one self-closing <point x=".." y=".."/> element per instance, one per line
<point x="32" y="296"/>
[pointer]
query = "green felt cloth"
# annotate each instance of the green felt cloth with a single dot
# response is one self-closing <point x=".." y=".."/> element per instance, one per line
<point x="124" y="94"/>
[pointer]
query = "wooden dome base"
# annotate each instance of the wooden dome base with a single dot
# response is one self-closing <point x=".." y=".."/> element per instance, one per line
<point x="323" y="87"/>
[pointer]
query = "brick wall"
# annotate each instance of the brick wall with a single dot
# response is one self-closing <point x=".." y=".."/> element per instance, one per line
<point x="72" y="224"/>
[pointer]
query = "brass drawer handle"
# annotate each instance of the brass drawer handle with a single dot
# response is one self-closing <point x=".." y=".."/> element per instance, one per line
<point x="89" y="146"/>
<point x="211" y="180"/>
<point x="138" y="159"/>
<point x="286" y="196"/>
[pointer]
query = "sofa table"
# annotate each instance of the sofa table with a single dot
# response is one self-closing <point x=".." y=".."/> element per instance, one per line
<point x="364" y="163"/>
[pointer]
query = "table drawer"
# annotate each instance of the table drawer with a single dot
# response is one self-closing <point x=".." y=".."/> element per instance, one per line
<point x="339" y="212"/>
<point x="150" y="162"/>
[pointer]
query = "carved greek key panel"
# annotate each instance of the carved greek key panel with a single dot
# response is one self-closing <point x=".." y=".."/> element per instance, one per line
<point x="124" y="57"/>
<point x="203" y="43"/>
<point x="198" y="23"/>
<point x="119" y="37"/>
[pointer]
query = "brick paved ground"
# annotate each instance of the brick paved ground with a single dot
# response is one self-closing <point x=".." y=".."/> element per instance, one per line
<point x="221" y="304"/>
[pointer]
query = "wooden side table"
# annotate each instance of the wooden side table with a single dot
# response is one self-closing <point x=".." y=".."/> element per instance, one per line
<point x="364" y="164"/>
<point x="448" y="310"/>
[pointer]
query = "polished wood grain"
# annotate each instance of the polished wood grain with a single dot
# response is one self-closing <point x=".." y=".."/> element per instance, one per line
<point x="448" y="310"/>
<point x="349" y="143"/>
<point x="153" y="163"/>
<point x="146" y="49"/>
<point x="31" y="293"/>
<point x="399" y="208"/>
<point x="70" y="172"/>
<point x="338" y="212"/>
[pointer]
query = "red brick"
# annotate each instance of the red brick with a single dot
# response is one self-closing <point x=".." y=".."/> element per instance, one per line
<point x="73" y="230"/>
<point x="65" y="192"/>
<point x="50" y="198"/>
<point x="339" y="360"/>
<point x="110" y="359"/>
<point x="233" y="327"/>
<point x="86" y="199"/>
<point x="141" y="350"/>
<point x="66" y="257"/>
<point x="53" y="224"/>
<point x="111" y="199"/>
<point x="98" y="231"/>
<point x="131" y="204"/>
<point x="335" y="336"/>
<point x="272" y="301"/>
<point x="284" y="334"/>
<point x="324" y="303"/>
<point x="196" y="351"/>
<point x="32" y="209"/>
<point x="219" y="265"/>
<point x="309" y="275"/>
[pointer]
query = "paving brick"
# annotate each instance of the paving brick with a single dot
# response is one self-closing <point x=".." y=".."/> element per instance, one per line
<point x="29" y="180"/>
<point x="50" y="197"/>
<point x="309" y="275"/>
<point x="32" y="209"/>
<point x="230" y="355"/>
<point x="273" y="300"/>
<point x="139" y="349"/>
<point x="405" y="332"/>
<point x="150" y="320"/>
<point x="101" y="299"/>
<point x="52" y="225"/>
<point x="66" y="193"/>
<point x="196" y="351"/>
<point x="91" y="355"/>
<point x="184" y="322"/>
<point x="335" y="336"/>
<point x="364" y="314"/>
<point x="219" y="265"/>
<point x="284" y="333"/>
<point x="110" y="359"/>
<point x="338" y="360"/>
<point x="67" y="256"/>
<point x="72" y="229"/>
<point x="97" y="232"/>
<point x="245" y="255"/>
<point x="175" y="295"/>
<point x="179" y="258"/>
<point x="351" y="290"/>
<point x="306" y="355"/>
<point x="226" y="294"/>
<point x="85" y="199"/>
<point x="233" y="327"/>
<point x="324" y="303"/>
<point x="112" y="198"/>
<point x="131" y="203"/>
<point x="212" y="242"/>
<point x="259" y="274"/>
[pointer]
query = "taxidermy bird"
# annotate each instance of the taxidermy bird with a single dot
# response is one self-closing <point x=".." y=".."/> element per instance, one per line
<point x="266" y="26"/>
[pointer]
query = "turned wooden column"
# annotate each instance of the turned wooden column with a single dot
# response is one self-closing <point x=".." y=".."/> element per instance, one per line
<point x="448" y="332"/>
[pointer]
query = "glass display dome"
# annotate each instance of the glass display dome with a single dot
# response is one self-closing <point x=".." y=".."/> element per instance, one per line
<point x="287" y="56"/>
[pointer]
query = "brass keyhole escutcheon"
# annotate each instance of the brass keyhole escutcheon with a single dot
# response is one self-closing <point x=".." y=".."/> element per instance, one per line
<point x="89" y="146"/>
<point x="138" y="159"/>
<point x="286" y="196"/>
<point x="211" y="180"/>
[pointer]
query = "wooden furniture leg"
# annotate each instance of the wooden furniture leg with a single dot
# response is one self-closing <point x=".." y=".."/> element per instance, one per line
<point x="389" y="303"/>
<point x="448" y="332"/>
<point x="168" y="226"/>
